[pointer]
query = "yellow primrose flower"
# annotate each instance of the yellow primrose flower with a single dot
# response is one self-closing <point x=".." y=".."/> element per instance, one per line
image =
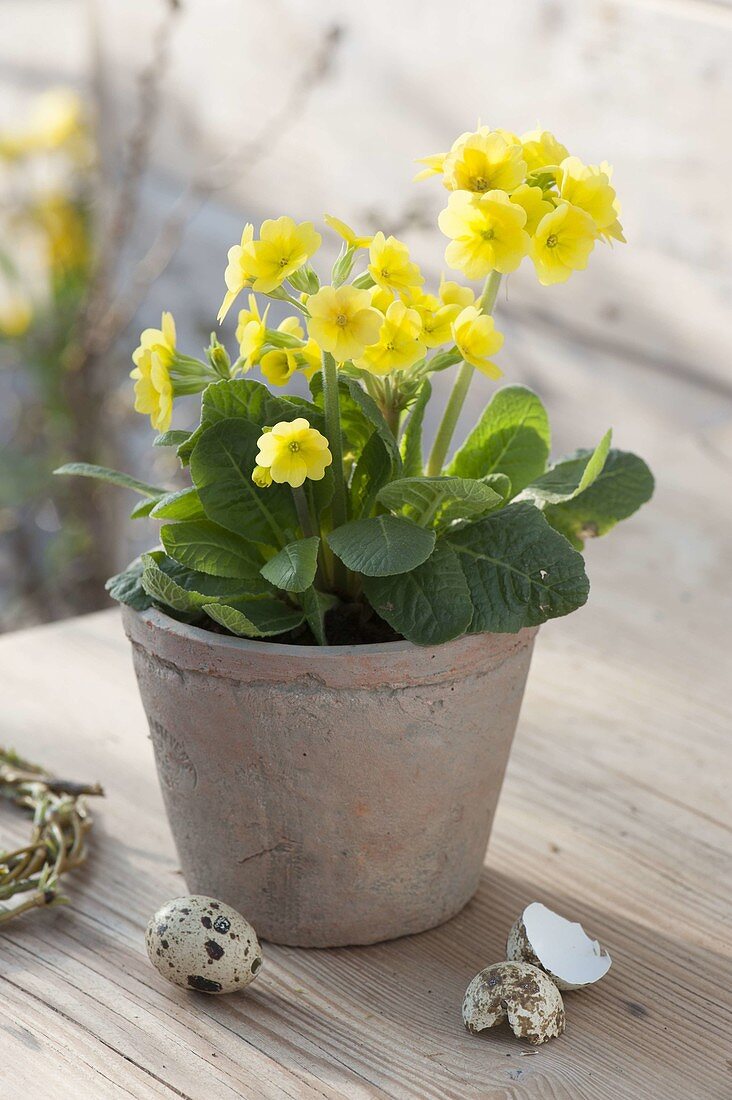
<point x="436" y="316"/>
<point x="309" y="359"/>
<point x="345" y="231"/>
<point x="531" y="199"/>
<point x="562" y="243"/>
<point x="283" y="247"/>
<point x="476" y="338"/>
<point x="542" y="150"/>
<point x="399" y="345"/>
<point x="343" y="321"/>
<point x="238" y="274"/>
<point x="153" y="387"/>
<point x="588" y="186"/>
<point x="452" y="294"/>
<point x="251" y="332"/>
<point x="390" y="266"/>
<point x="381" y="298"/>
<point x="484" y="161"/>
<point x="16" y="314"/>
<point x="279" y="365"/>
<point x="435" y="165"/>
<point x="160" y="340"/>
<point x="261" y="477"/>
<point x="293" y="451"/>
<point x="487" y="233"/>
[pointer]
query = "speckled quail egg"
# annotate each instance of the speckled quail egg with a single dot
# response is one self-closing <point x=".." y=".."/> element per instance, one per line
<point x="201" y="943"/>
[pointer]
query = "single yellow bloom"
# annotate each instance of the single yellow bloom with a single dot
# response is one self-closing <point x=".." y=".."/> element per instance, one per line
<point x="390" y="266"/>
<point x="562" y="243"/>
<point x="251" y="332"/>
<point x="283" y="248"/>
<point x="279" y="365"/>
<point x="542" y="149"/>
<point x="293" y="451"/>
<point x="238" y="274"/>
<point x="261" y="477"/>
<point x="532" y="200"/>
<point x="399" y="345"/>
<point x="487" y="233"/>
<point x="476" y="338"/>
<point x="16" y="314"/>
<point x="160" y="340"/>
<point x="349" y="235"/>
<point x="153" y="387"/>
<point x="343" y="321"/>
<point x="588" y="187"/>
<point x="452" y="294"/>
<point x="484" y="161"/>
<point x="436" y="316"/>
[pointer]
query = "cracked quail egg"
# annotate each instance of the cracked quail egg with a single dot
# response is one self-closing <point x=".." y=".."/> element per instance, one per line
<point x="200" y="943"/>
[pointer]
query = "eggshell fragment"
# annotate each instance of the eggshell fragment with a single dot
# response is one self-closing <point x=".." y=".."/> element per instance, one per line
<point x="200" y="943"/>
<point x="520" y="993"/>
<point x="559" y="947"/>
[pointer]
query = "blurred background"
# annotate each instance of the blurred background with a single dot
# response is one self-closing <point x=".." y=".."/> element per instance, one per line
<point x="137" y="137"/>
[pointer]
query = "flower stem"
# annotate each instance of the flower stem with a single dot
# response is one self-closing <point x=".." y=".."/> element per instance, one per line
<point x="303" y="512"/>
<point x="335" y="441"/>
<point x="460" y="389"/>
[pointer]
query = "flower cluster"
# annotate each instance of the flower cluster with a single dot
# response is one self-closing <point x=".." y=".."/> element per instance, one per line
<point x="522" y="196"/>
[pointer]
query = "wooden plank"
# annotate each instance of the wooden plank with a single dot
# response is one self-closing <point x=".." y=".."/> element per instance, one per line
<point x="608" y="838"/>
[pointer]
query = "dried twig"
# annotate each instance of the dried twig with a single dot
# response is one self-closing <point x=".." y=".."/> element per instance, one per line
<point x="58" y="838"/>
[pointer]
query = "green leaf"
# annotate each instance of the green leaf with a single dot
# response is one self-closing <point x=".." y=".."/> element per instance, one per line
<point x="429" y="605"/>
<point x="256" y="618"/>
<point x="171" y="439"/>
<point x="374" y="468"/>
<point x="144" y="507"/>
<point x="411" y="444"/>
<point x="126" y="587"/>
<point x="570" y="476"/>
<point x="438" y="501"/>
<point x="623" y="485"/>
<point x="246" y="399"/>
<point x="294" y="568"/>
<point x="208" y="548"/>
<point x="221" y="468"/>
<point x="183" y="504"/>
<point x="169" y="583"/>
<point x="512" y="437"/>
<point x="382" y="545"/>
<point x="500" y="484"/>
<point x="114" y="477"/>
<point x="315" y="605"/>
<point x="520" y="571"/>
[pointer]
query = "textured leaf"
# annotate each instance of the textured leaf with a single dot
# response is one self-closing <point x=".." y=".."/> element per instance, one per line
<point x="208" y="548"/>
<point x="569" y="477"/>
<point x="438" y="501"/>
<point x="183" y="504"/>
<point x="221" y="468"/>
<point x="374" y="468"/>
<point x="171" y="439"/>
<point x="429" y="605"/>
<point x="294" y="568"/>
<point x="382" y="545"/>
<point x="519" y="571"/>
<point x="114" y="477"/>
<point x="126" y="587"/>
<point x="244" y="398"/>
<point x="181" y="589"/>
<point x="500" y="484"/>
<point x="144" y="507"/>
<point x="512" y="437"/>
<point x="411" y="443"/>
<point x="623" y="485"/>
<point x="256" y="618"/>
<point x="315" y="605"/>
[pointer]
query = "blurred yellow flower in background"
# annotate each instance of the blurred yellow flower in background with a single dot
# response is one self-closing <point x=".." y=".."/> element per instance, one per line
<point x="399" y="345"/>
<point x="343" y="321"/>
<point x="562" y="243"/>
<point x="16" y="313"/>
<point x="293" y="451"/>
<point x="487" y="233"/>
<point x="476" y="338"/>
<point x="390" y="266"/>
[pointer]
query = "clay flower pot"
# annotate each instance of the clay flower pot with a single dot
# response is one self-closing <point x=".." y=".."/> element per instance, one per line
<point x="334" y="795"/>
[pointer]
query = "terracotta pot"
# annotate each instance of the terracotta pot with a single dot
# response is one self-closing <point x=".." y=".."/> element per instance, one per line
<point x="337" y="795"/>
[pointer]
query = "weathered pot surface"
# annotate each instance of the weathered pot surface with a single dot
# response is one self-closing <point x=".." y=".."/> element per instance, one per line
<point x="335" y="795"/>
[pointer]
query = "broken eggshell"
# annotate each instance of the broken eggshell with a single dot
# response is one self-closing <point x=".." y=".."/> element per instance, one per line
<point x="520" y="993"/>
<point x="200" y="943"/>
<point x="559" y="947"/>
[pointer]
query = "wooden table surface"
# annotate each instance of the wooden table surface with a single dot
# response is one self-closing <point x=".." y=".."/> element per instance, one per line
<point x="614" y="812"/>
